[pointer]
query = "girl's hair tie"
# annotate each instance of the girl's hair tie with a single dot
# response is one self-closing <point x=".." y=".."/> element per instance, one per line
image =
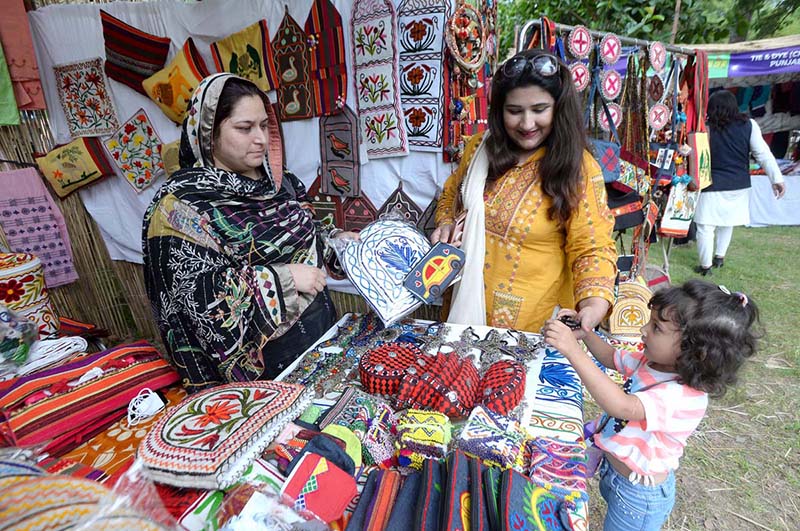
<point x="742" y="298"/>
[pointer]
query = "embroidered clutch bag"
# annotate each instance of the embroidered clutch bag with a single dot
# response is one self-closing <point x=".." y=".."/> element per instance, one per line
<point x="208" y="440"/>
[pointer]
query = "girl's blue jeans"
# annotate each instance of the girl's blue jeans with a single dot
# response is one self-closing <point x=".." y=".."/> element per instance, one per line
<point x="635" y="507"/>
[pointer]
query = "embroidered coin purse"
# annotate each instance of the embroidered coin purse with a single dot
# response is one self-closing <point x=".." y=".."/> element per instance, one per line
<point x="524" y="505"/>
<point x="560" y="467"/>
<point x="210" y="438"/>
<point x="429" y="501"/>
<point x="503" y="386"/>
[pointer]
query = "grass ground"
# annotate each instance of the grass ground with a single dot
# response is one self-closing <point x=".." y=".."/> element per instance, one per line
<point x="741" y="470"/>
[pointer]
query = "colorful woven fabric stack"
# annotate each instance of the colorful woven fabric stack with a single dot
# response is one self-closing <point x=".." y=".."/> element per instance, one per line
<point x="209" y="439"/>
<point x="422" y="435"/>
<point x="494" y="439"/>
<point x="560" y="467"/>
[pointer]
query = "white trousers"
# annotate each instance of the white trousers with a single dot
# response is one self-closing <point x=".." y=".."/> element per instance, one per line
<point x="710" y="245"/>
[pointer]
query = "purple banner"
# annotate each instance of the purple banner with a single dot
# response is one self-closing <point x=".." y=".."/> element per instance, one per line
<point x="776" y="61"/>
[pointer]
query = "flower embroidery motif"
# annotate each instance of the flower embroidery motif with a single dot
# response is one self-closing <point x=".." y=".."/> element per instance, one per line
<point x="217" y="413"/>
<point x="381" y="127"/>
<point x="371" y="40"/>
<point x="13" y="290"/>
<point x="373" y="88"/>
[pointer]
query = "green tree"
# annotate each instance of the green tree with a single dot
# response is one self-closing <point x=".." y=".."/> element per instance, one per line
<point x="699" y="21"/>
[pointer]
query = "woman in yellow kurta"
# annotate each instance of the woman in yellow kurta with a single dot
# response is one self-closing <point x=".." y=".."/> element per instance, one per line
<point x="538" y="231"/>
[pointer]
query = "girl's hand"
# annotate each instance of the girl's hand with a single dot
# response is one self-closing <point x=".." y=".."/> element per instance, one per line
<point x="307" y="279"/>
<point x="572" y="314"/>
<point x="559" y="336"/>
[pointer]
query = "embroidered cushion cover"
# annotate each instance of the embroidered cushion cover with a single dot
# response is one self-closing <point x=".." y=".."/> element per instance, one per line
<point x="131" y="54"/>
<point x="171" y="87"/>
<point x="83" y="92"/>
<point x="136" y="149"/>
<point x="73" y="165"/>
<point x="210" y="438"/>
<point x="248" y="54"/>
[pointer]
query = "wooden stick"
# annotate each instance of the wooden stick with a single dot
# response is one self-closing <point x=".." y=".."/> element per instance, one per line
<point x="746" y="519"/>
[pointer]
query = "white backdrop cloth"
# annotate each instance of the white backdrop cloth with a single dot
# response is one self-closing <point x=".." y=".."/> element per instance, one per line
<point x="67" y="33"/>
<point x="766" y="210"/>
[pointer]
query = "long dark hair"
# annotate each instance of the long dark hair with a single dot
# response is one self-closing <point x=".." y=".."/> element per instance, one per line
<point x="234" y="90"/>
<point x="560" y="168"/>
<point x="719" y="331"/>
<point x="723" y="110"/>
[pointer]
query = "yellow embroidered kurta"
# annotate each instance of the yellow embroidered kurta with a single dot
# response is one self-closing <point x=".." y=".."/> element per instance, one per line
<point x="531" y="263"/>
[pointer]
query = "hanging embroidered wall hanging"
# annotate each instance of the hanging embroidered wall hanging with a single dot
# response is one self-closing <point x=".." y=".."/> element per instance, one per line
<point x="580" y="76"/>
<point x="32" y="223"/>
<point x="327" y="54"/>
<point x="209" y="439"/>
<point x="657" y="54"/>
<point x="17" y="43"/>
<point x="421" y="36"/>
<point x="172" y="86"/>
<point x="84" y="96"/>
<point x="136" y="150"/>
<point x="401" y="204"/>
<point x="376" y="65"/>
<point x="248" y="54"/>
<point x="132" y="55"/>
<point x="338" y="138"/>
<point x="357" y="213"/>
<point x="380" y="261"/>
<point x="74" y="165"/>
<point x="610" y="49"/>
<point x="327" y="207"/>
<point x="292" y="61"/>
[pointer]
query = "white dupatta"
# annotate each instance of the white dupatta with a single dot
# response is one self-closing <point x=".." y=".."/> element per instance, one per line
<point x="469" y="302"/>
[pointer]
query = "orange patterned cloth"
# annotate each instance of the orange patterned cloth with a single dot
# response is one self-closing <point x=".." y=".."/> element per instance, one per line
<point x="114" y="448"/>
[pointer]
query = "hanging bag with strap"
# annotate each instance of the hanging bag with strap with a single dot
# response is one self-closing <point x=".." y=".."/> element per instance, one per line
<point x="696" y="78"/>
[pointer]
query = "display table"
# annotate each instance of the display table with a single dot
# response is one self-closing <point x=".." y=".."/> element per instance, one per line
<point x="553" y="403"/>
<point x="766" y="210"/>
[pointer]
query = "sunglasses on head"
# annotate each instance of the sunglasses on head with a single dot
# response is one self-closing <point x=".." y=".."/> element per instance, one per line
<point x="544" y="65"/>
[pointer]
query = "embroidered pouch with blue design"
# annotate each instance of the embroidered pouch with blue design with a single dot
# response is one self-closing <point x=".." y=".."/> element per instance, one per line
<point x="525" y="505"/>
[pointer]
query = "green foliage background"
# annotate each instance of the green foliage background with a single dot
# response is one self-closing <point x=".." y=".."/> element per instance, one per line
<point x="700" y="21"/>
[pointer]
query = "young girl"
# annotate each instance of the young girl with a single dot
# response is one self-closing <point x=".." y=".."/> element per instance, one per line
<point x="698" y="336"/>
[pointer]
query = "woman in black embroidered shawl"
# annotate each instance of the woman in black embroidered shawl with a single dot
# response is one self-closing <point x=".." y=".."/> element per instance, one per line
<point x="232" y="255"/>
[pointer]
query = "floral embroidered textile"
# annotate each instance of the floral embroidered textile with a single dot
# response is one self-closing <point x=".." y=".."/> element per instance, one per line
<point x="136" y="149"/>
<point x="209" y="439"/>
<point x="84" y="96"/>
<point x="375" y="57"/>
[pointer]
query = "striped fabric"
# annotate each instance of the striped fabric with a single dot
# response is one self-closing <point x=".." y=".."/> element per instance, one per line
<point x="131" y="54"/>
<point x="44" y="406"/>
<point x="672" y="413"/>
<point x="327" y="54"/>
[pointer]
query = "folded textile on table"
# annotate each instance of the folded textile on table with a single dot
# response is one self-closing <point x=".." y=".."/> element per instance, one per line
<point x="493" y="438"/>
<point x="66" y="405"/>
<point x="210" y="438"/>
<point x="559" y="466"/>
<point x="320" y="488"/>
<point x="525" y="505"/>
